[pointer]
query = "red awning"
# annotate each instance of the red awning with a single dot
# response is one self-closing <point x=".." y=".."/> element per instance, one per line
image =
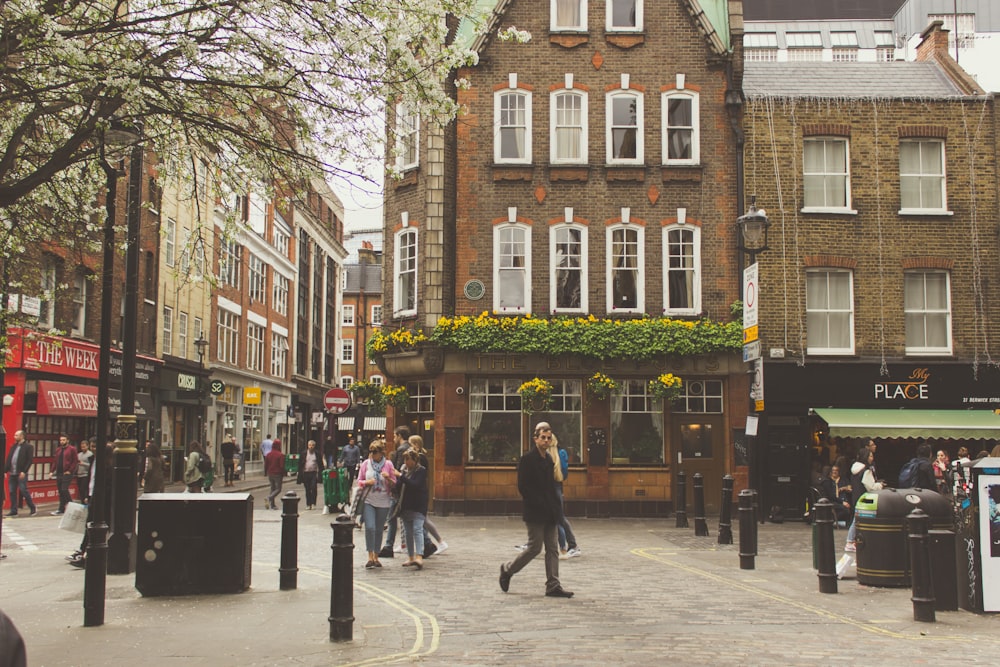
<point x="80" y="400"/>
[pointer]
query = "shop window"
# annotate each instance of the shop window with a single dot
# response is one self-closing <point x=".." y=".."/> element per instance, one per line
<point x="494" y="421"/>
<point x="700" y="396"/>
<point x="636" y="425"/>
<point x="565" y="415"/>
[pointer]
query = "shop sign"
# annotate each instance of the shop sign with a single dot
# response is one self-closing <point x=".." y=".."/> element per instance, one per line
<point x="251" y="396"/>
<point x="914" y="388"/>
<point x="188" y="382"/>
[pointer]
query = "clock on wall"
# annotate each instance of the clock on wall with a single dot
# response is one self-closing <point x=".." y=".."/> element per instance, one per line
<point x="474" y="290"/>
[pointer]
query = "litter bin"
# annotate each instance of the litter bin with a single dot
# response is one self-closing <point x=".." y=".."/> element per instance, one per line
<point x="336" y="488"/>
<point x="292" y="464"/>
<point x="883" y="551"/>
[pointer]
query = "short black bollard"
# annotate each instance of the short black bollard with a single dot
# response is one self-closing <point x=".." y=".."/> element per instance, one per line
<point x="726" y="511"/>
<point x="920" y="567"/>
<point x="288" y="572"/>
<point x="698" y="486"/>
<point x="748" y="530"/>
<point x="826" y="552"/>
<point x="342" y="583"/>
<point x="944" y="568"/>
<point x="681" y="501"/>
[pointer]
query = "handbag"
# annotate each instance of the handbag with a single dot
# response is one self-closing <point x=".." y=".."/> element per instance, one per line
<point x="397" y="508"/>
<point x="357" y="505"/>
<point x="74" y="518"/>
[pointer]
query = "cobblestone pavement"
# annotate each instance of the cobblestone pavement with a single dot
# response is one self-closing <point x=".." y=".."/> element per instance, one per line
<point x="647" y="593"/>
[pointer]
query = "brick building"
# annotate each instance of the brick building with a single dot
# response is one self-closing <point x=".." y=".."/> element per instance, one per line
<point x="593" y="173"/>
<point x="878" y="293"/>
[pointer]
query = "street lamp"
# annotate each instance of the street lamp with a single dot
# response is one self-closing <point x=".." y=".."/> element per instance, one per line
<point x="201" y="345"/>
<point x="752" y="231"/>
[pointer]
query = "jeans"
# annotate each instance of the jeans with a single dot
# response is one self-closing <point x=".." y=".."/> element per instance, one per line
<point x="228" y="470"/>
<point x="17" y="483"/>
<point x="566" y="536"/>
<point x="539" y="534"/>
<point x="63" y="483"/>
<point x="83" y="489"/>
<point x="393" y="526"/>
<point x="413" y="524"/>
<point x="374" y="520"/>
<point x="275" y="481"/>
<point x="852" y="531"/>
<point x="309" y="481"/>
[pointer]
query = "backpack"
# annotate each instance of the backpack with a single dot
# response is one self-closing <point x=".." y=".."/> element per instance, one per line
<point x="908" y="474"/>
<point x="204" y="463"/>
<point x="564" y="463"/>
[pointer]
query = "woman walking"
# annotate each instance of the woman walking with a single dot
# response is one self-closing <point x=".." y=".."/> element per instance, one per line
<point x="193" y="476"/>
<point x="417" y="443"/>
<point x="84" y="459"/>
<point x="375" y="481"/>
<point x="154" y="469"/>
<point x="413" y="506"/>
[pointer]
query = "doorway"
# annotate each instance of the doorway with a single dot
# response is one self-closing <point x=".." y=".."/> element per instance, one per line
<point x="700" y="447"/>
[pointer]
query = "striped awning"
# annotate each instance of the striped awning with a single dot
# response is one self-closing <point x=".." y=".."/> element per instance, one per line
<point x="374" y="424"/>
<point x="345" y="424"/>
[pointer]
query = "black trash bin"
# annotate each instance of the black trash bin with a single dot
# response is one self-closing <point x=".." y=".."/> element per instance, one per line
<point x="883" y="551"/>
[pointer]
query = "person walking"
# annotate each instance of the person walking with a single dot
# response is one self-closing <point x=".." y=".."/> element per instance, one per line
<point x="154" y="469"/>
<point x="265" y="446"/>
<point x="350" y="459"/>
<point x="417" y="445"/>
<point x="274" y="468"/>
<point x="862" y="481"/>
<point x="401" y="440"/>
<point x="19" y="460"/>
<point x="63" y="470"/>
<point x="413" y="506"/>
<point x="568" y="547"/>
<point x="537" y="485"/>
<point x="83" y="461"/>
<point x="311" y="467"/>
<point x="375" y="480"/>
<point x="228" y="452"/>
<point x="192" y="474"/>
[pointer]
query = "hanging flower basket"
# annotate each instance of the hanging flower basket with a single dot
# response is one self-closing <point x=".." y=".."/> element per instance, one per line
<point x="365" y="392"/>
<point x="536" y="395"/>
<point x="667" y="386"/>
<point x="600" y="386"/>
<point x="396" y="396"/>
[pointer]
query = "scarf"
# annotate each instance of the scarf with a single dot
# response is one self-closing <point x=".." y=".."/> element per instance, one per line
<point x="375" y="472"/>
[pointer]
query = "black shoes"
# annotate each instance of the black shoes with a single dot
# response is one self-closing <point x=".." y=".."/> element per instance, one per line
<point x="386" y="552"/>
<point x="557" y="593"/>
<point x="504" y="580"/>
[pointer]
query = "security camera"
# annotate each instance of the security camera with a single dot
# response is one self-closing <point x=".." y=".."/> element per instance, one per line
<point x="459" y="390"/>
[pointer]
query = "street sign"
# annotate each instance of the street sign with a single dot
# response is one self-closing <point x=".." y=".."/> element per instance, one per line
<point x="757" y="385"/>
<point x="751" y="351"/>
<point x="751" y="334"/>
<point x="337" y="400"/>
<point x="216" y="387"/>
<point x="750" y="293"/>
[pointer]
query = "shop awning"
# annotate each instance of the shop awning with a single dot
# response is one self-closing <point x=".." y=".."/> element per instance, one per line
<point x="374" y="424"/>
<point x="80" y="400"/>
<point x="957" y="424"/>
<point x="345" y="423"/>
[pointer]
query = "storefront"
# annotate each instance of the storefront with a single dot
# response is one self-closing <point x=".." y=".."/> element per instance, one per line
<point x="55" y="393"/>
<point x="822" y="410"/>
<point x="248" y="410"/>
<point x="181" y="411"/>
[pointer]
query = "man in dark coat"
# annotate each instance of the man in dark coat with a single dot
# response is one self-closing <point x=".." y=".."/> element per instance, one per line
<point x="541" y="512"/>
<point x="925" y="469"/>
<point x="20" y="457"/>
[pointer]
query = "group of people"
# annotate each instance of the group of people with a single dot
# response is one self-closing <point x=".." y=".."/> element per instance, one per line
<point x="70" y="467"/>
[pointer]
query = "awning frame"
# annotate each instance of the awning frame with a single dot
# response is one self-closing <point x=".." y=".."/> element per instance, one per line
<point x="886" y="423"/>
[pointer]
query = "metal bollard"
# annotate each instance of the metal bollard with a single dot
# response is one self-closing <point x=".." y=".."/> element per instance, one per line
<point x="698" y="486"/>
<point x="726" y="511"/>
<point x="826" y="555"/>
<point x="288" y="571"/>
<point x="681" y="502"/>
<point x="944" y="568"/>
<point x="342" y="583"/>
<point x="748" y="533"/>
<point x="95" y="576"/>
<point x="920" y="568"/>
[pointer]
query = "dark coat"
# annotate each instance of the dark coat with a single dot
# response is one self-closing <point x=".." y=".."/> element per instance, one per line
<point x="153" y="481"/>
<point x="69" y="460"/>
<point x="413" y="486"/>
<point x="25" y="456"/>
<point x="537" y="484"/>
<point x="925" y="475"/>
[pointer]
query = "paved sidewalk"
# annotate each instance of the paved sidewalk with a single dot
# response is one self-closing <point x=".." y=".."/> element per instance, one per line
<point x="646" y="594"/>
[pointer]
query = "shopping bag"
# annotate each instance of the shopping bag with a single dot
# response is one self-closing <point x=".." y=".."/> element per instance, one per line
<point x="74" y="518"/>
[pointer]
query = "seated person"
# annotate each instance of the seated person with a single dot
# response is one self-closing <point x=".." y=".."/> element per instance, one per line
<point x="842" y="509"/>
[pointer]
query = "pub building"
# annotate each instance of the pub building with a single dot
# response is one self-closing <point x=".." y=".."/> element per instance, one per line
<point x="820" y="410"/>
<point x="54" y="382"/>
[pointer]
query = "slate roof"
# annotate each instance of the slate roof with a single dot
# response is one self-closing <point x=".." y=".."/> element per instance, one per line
<point x="898" y="79"/>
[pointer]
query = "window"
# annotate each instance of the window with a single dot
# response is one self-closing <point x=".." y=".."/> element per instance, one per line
<point x="182" y="335"/>
<point x="921" y="176"/>
<point x="760" y="46"/>
<point x="376" y="320"/>
<point x="494" y="420"/>
<point x="625" y="128"/>
<point x="700" y="396"/>
<point x="255" y="347"/>
<point x="568" y="144"/>
<point x="169" y="241"/>
<point x="347" y="351"/>
<point x="927" y="304"/>
<point x="279" y="355"/>
<point x="680" y="127"/>
<point x="377" y="380"/>
<point x="826" y="175"/>
<point x="186" y="252"/>
<point x="829" y="312"/>
<point x="405" y="271"/>
<point x="346" y="381"/>
<point x="512" y="268"/>
<point x="625" y="269"/>
<point x="347" y="316"/>
<point x="804" y="46"/>
<point x="80" y="289"/>
<point x="407" y="137"/>
<point x="229" y="263"/>
<point x="845" y="46"/>
<point x="568" y="15"/>
<point x="279" y="298"/>
<point x="885" y="46"/>
<point x="512" y="127"/>
<point x="421" y="397"/>
<point x="636" y="425"/>
<point x="682" y="270"/>
<point x="565" y="414"/>
<point x="47" y="293"/>
<point x="168" y="330"/>
<point x="257" y="279"/>
<point x="281" y="238"/>
<point x="199" y="329"/>
<point x="229" y="331"/>
<point x="965" y="36"/>
<point x="568" y="280"/>
<point x="624" y="15"/>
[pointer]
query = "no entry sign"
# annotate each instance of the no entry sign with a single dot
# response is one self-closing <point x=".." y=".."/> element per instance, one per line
<point x="337" y="401"/>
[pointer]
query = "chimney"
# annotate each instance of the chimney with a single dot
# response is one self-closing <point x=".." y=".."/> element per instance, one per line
<point x="934" y="42"/>
<point x="366" y="253"/>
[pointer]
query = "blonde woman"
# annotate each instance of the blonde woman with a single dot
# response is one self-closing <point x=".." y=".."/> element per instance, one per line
<point x="417" y="445"/>
<point x="375" y="480"/>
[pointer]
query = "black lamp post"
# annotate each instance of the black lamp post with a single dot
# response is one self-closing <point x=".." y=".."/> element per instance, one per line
<point x="201" y="345"/>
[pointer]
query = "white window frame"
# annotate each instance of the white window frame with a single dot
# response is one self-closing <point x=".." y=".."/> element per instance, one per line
<point x="634" y="399"/>
<point x="407" y="138"/>
<point x="255" y="347"/>
<point x="499" y="125"/>
<point x="279" y="355"/>
<point x="227" y="342"/>
<point x="556" y="123"/>
<point x="920" y="176"/>
<point x="376" y="320"/>
<point x="827" y="312"/>
<point x="610" y="127"/>
<point x="609" y="13"/>
<point x="346" y="381"/>
<point x="279" y="293"/>
<point x="502" y="272"/>
<point x="694" y="128"/>
<point x="925" y="313"/>
<point x="230" y="254"/>
<point x="257" y="279"/>
<point x="169" y="241"/>
<point x="168" y="330"/>
<point x="182" y="334"/>
<point x="405" y="267"/>
<point x="640" y="268"/>
<point x="553" y="16"/>
<point x="347" y="315"/>
<point x="199" y="329"/>
<point x="825" y="206"/>
<point x="281" y="238"/>
<point x="554" y="268"/>
<point x="694" y="270"/>
<point x="80" y="294"/>
<point x="346" y="351"/>
<point x="377" y="380"/>
<point x="47" y="293"/>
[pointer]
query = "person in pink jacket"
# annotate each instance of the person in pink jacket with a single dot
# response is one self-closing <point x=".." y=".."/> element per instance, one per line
<point x="376" y="478"/>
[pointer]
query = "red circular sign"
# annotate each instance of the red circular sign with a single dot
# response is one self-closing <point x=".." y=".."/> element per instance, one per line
<point x="337" y="400"/>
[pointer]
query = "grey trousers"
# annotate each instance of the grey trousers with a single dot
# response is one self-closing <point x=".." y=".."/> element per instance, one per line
<point x="539" y="534"/>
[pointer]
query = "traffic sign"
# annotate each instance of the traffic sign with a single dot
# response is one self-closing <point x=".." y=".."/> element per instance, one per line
<point x="751" y="334"/>
<point x="337" y="400"/>
<point x="751" y="351"/>
<point x="216" y="387"/>
<point x="750" y="294"/>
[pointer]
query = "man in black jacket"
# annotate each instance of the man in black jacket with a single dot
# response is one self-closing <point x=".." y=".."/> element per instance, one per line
<point x="925" y="469"/>
<point x="541" y="512"/>
<point x="19" y="460"/>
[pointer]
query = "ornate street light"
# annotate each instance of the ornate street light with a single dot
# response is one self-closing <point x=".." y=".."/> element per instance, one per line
<point x="752" y="230"/>
<point x="201" y="345"/>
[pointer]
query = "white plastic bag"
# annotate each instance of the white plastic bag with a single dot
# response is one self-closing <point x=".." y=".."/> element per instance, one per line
<point x="74" y="518"/>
